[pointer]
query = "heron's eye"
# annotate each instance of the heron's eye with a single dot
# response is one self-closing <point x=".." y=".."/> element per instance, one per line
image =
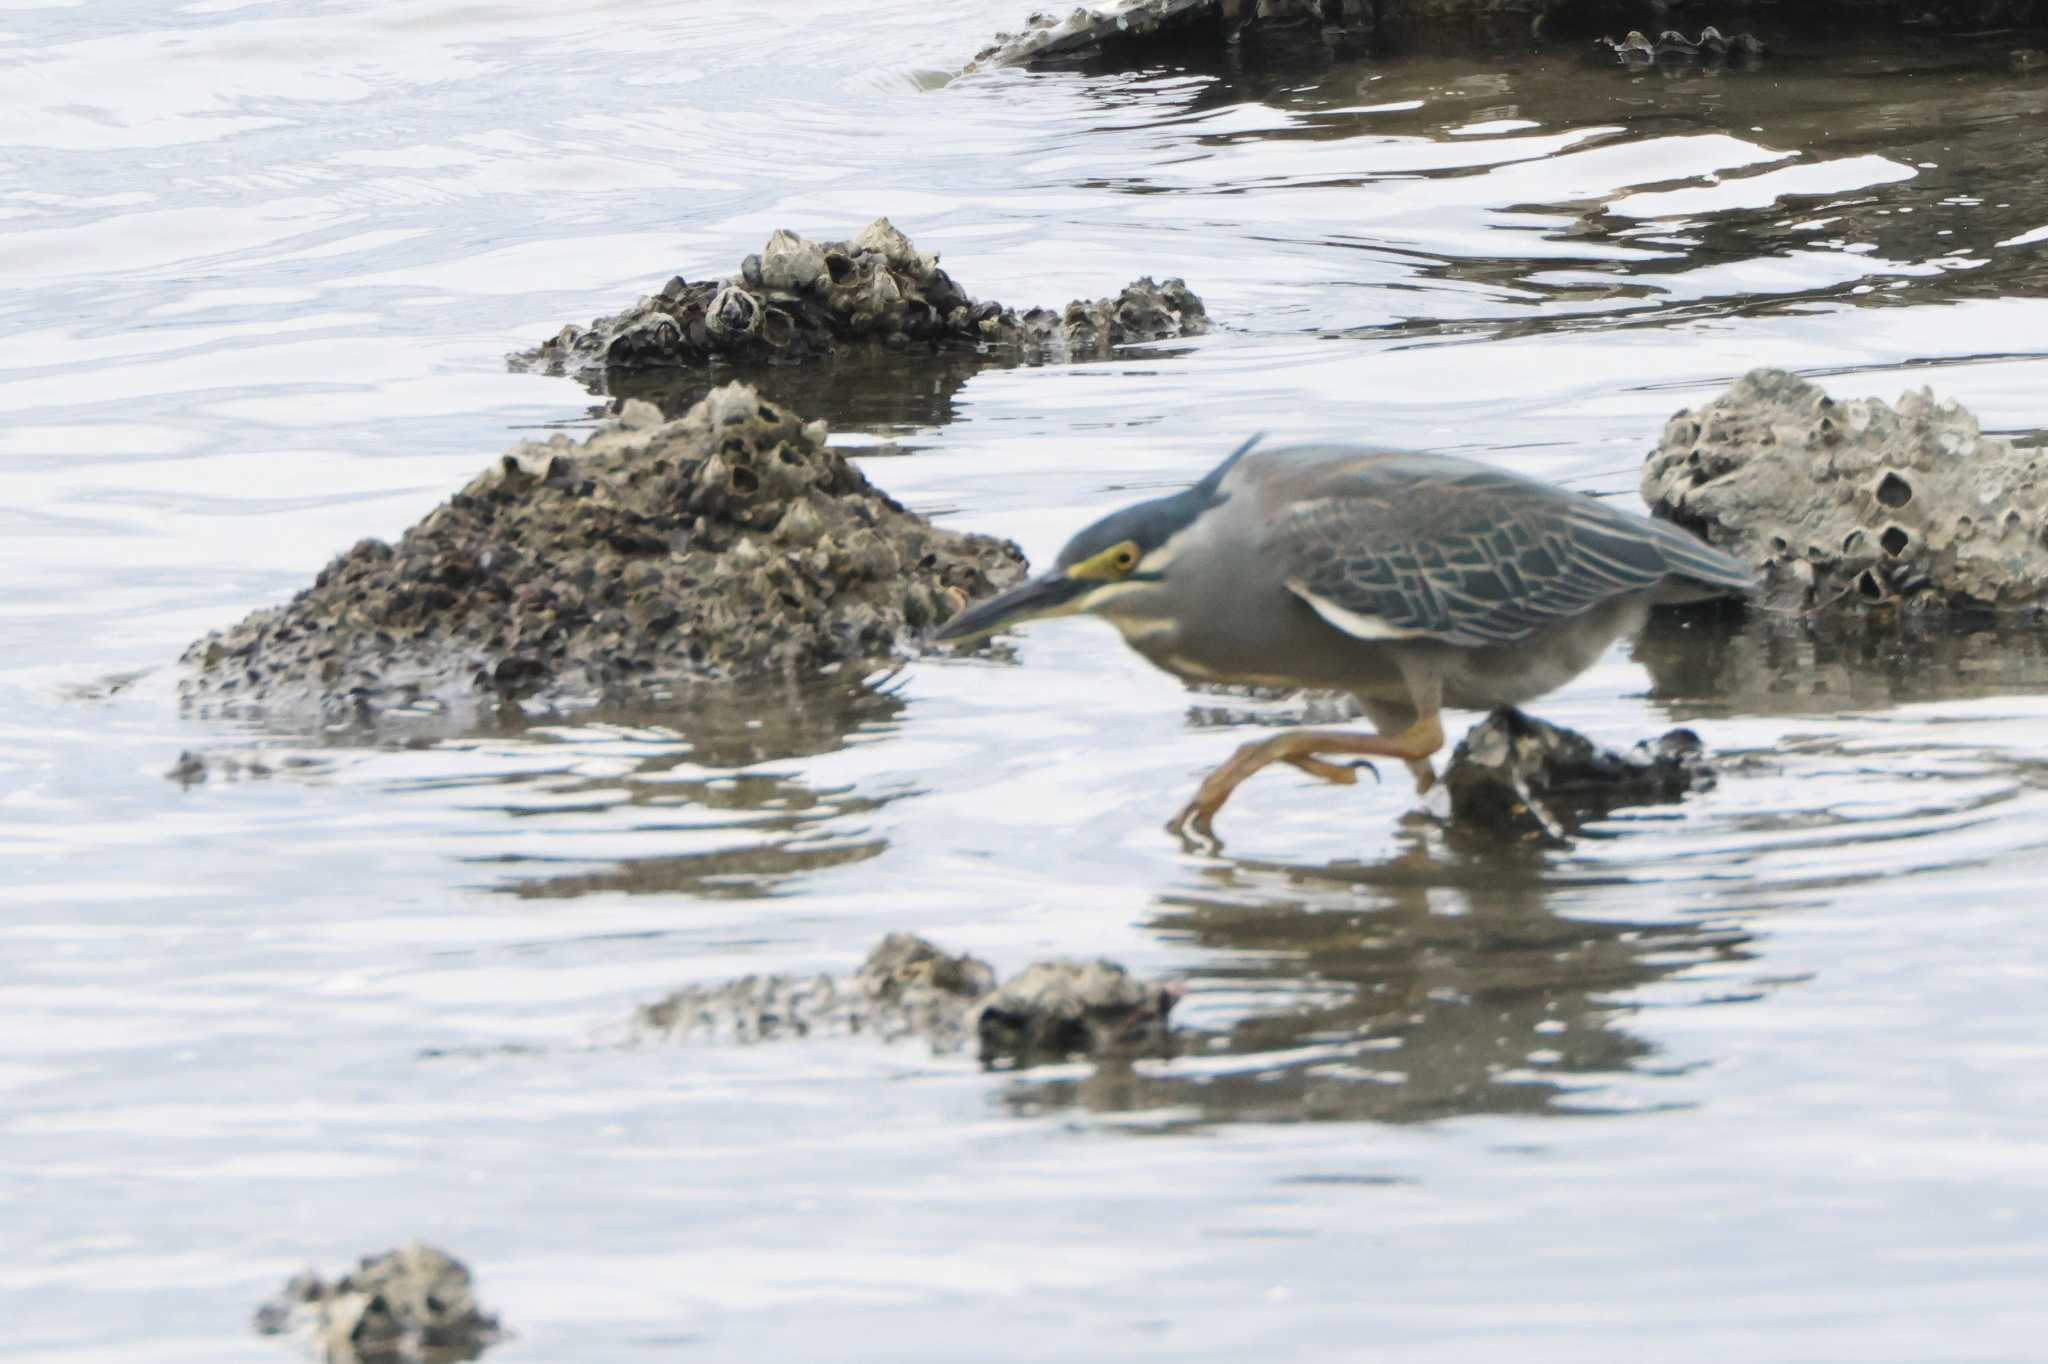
<point x="1108" y="565"/>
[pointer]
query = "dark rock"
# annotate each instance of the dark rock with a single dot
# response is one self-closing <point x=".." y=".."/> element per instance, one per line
<point x="728" y="544"/>
<point x="1851" y="505"/>
<point x="1132" y="33"/>
<point x="1514" y="776"/>
<point x="800" y="300"/>
<point x="1129" y="30"/>
<point x="415" y="1305"/>
<point x="1055" y="1009"/>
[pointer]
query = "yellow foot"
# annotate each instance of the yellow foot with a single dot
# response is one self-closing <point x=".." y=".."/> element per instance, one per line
<point x="1413" y="746"/>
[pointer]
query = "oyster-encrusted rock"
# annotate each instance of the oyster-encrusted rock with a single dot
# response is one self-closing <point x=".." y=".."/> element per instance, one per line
<point x="907" y="987"/>
<point x="910" y="988"/>
<point x="730" y="543"/>
<point x="1848" y="505"/>
<point x="1514" y="776"/>
<point x="800" y="300"/>
<point x="1060" y="1008"/>
<point x="406" y="1306"/>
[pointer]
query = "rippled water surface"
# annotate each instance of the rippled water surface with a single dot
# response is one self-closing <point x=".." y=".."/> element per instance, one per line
<point x="1760" y="1076"/>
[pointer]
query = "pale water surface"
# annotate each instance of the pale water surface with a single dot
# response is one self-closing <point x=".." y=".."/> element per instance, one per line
<point x="1756" y="1077"/>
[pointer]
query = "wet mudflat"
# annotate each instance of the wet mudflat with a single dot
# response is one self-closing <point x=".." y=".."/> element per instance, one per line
<point x="1758" y="1075"/>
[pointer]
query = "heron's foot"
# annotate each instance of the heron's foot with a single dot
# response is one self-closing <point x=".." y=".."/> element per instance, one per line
<point x="1303" y="748"/>
<point x="1343" y="774"/>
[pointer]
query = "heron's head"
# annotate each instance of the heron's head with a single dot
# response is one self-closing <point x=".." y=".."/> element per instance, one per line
<point x="1111" y="568"/>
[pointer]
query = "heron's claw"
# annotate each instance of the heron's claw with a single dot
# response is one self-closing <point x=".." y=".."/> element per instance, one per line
<point x="1202" y="818"/>
<point x="1339" y="774"/>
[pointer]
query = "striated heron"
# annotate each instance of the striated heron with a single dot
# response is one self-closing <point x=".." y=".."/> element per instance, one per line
<point x="1410" y="581"/>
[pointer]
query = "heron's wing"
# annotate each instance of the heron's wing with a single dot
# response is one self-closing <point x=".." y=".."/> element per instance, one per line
<point x="1418" y="547"/>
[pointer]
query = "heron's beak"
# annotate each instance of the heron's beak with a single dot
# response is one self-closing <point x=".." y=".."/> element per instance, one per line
<point x="1054" y="594"/>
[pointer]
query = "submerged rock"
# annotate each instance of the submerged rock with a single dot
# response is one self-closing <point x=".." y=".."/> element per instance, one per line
<point x="249" y="764"/>
<point x="910" y="988"/>
<point x="730" y="543"/>
<point x="1518" y="777"/>
<point x="415" y="1305"/>
<point x="1847" y="505"/>
<point x="1054" y="1009"/>
<point x="800" y="300"/>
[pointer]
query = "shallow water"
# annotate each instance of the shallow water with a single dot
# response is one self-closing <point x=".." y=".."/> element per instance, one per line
<point x="259" y="265"/>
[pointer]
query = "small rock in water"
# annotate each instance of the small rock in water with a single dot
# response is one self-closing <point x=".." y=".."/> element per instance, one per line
<point x="904" y="966"/>
<point x="1845" y="506"/>
<point x="1514" y="776"/>
<point x="909" y="987"/>
<point x="415" y="1305"/>
<point x="1055" y="1009"/>
<point x="799" y="300"/>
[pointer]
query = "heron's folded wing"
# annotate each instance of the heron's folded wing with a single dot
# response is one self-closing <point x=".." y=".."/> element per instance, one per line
<point x="1467" y="558"/>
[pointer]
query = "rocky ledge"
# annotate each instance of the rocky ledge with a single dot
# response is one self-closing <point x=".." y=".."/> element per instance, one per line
<point x="1136" y="32"/>
<point x="1128" y="29"/>
<point x="801" y="300"/>
<point x="1845" y="506"/>
<point x="730" y="543"/>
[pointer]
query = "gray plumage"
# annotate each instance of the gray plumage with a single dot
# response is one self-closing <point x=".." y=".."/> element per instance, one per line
<point x="1411" y="581"/>
<point x="1448" y="550"/>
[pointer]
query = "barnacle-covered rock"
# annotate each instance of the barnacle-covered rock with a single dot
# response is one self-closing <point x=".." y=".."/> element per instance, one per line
<point x="907" y="987"/>
<point x="1853" y="505"/>
<point x="910" y="988"/>
<point x="729" y="543"/>
<point x="800" y="300"/>
<point x="1054" y="1009"/>
<point x="406" y="1306"/>
<point x="1516" y="777"/>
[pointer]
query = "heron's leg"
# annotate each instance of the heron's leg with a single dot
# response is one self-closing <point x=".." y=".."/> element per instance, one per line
<point x="1301" y="747"/>
<point x="1393" y="719"/>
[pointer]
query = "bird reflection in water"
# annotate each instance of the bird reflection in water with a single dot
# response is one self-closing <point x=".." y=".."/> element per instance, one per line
<point x="1430" y="985"/>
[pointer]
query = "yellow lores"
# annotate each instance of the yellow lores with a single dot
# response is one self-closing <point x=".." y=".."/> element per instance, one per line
<point x="1107" y="566"/>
